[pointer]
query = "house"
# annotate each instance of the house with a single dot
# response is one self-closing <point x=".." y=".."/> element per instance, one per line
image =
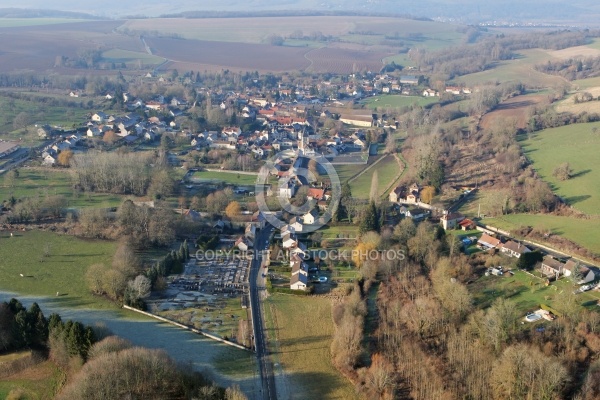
<point x="192" y="215"/>
<point x="243" y="243"/>
<point x="399" y="193"/>
<point x="315" y="194"/>
<point x="430" y="93"/>
<point x="310" y="217"/>
<point x="415" y="213"/>
<point x="50" y="160"/>
<point x="453" y="89"/>
<point x="298" y="266"/>
<point x="299" y="282"/>
<point x="258" y="219"/>
<point x="288" y="241"/>
<point x="295" y="224"/>
<point x="551" y="266"/>
<point x="250" y="231"/>
<point x="514" y="249"/>
<point x="584" y="274"/>
<point x="487" y="242"/>
<point x="410" y="80"/>
<point x="364" y="121"/>
<point x="99" y="117"/>
<point x="451" y="219"/>
<point x="44" y="131"/>
<point x="467" y="225"/>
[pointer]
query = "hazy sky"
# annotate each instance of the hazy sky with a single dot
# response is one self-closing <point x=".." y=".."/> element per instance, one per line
<point x="585" y="11"/>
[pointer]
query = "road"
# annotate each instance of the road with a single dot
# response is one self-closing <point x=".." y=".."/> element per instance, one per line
<point x="260" y="344"/>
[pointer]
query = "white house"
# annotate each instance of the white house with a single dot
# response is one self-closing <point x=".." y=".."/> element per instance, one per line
<point x="310" y="217"/>
<point x="299" y="282"/>
<point x="514" y="249"/>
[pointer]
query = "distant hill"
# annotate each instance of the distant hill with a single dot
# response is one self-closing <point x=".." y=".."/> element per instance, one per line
<point x="575" y="12"/>
<point x="33" y="13"/>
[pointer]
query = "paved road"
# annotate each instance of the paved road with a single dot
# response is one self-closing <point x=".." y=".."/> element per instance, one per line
<point x="260" y="345"/>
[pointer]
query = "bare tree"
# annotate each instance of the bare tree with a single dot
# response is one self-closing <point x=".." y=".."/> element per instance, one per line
<point x="140" y="287"/>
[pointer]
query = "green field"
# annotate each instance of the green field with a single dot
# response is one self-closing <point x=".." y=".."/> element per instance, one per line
<point x="227" y="177"/>
<point x="346" y="172"/>
<point x="527" y="291"/>
<point x="63" y="270"/>
<point x="387" y="171"/>
<point x="517" y="70"/>
<point x="303" y="348"/>
<point x="343" y="231"/>
<point x="39" y="113"/>
<point x="398" y="101"/>
<point x="578" y="145"/>
<point x="42" y="183"/>
<point x="587" y="83"/>
<point x="585" y="232"/>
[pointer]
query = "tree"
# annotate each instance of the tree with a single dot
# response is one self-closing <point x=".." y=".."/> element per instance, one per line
<point x="10" y="177"/>
<point x="94" y="277"/>
<point x="313" y="168"/>
<point x="499" y="322"/>
<point x="161" y="185"/>
<point x="140" y="287"/>
<point x="374" y="192"/>
<point x="427" y="194"/>
<point x="563" y="172"/>
<point x="110" y="137"/>
<point x="390" y="143"/>
<point x="370" y="219"/>
<point x="528" y="260"/>
<point x="64" y="158"/>
<point x="233" y="210"/>
<point x="21" y="120"/>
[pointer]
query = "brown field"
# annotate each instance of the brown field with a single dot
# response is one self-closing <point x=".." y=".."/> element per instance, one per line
<point x="35" y="48"/>
<point x="344" y="61"/>
<point x="514" y="111"/>
<point x="230" y="55"/>
<point x="569" y="105"/>
<point x="256" y="29"/>
<point x="577" y="51"/>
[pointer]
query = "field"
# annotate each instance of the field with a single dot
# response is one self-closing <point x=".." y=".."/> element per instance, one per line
<point x="257" y="30"/>
<point x="339" y="231"/>
<point x="577" y="145"/>
<point x="47" y="182"/>
<point x="227" y="177"/>
<point x="516" y="110"/>
<point x="585" y="232"/>
<point x="398" y="101"/>
<point x="302" y="348"/>
<point x="517" y="70"/>
<point x="569" y="105"/>
<point x="20" y="22"/>
<point x="344" y="61"/>
<point x="37" y="382"/>
<point x="527" y="291"/>
<point x="62" y="270"/>
<point x="387" y="171"/>
<point x="130" y="58"/>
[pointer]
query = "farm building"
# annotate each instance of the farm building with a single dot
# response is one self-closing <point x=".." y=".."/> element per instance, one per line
<point x="7" y="148"/>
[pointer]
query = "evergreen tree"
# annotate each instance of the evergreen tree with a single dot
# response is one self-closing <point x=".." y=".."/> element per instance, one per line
<point x="370" y="220"/>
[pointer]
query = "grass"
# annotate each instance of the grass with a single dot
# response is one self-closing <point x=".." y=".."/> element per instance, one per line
<point x="234" y="363"/>
<point x="227" y="177"/>
<point x="333" y="232"/>
<point x="303" y="348"/>
<point x="40" y="381"/>
<point x="346" y="172"/>
<point x="387" y="171"/>
<point x="517" y="70"/>
<point x="527" y="291"/>
<point x="63" y="270"/>
<point x="398" y="101"/>
<point x="585" y="232"/>
<point x="42" y="182"/>
<point x="577" y="145"/>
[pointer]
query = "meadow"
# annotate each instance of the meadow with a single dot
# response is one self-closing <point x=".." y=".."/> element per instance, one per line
<point x="527" y="291"/>
<point x="397" y="101"/>
<point x="576" y="144"/>
<point x="47" y="182"/>
<point x="584" y="232"/>
<point x="130" y="58"/>
<point x="52" y="263"/>
<point x="227" y="177"/>
<point x="37" y="382"/>
<point x="518" y="70"/>
<point x="387" y="172"/>
<point x="302" y="349"/>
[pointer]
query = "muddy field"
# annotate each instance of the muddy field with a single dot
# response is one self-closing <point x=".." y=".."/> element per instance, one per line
<point x="344" y="61"/>
<point x="515" y="110"/>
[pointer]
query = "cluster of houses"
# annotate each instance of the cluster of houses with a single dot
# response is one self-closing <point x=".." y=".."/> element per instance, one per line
<point x="549" y="266"/>
<point x="455" y="90"/>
